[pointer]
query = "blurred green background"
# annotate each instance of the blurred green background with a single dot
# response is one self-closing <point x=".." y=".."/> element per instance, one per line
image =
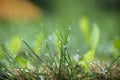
<point x="60" y="14"/>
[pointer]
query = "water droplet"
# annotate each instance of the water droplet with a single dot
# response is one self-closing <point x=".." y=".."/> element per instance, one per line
<point x="22" y="39"/>
<point x="50" y="38"/>
<point x="66" y="64"/>
<point x="76" y="57"/>
<point x="46" y="54"/>
<point x="78" y="50"/>
<point x="26" y="53"/>
<point x="53" y="64"/>
<point x="104" y="71"/>
<point x="64" y="46"/>
<point x="11" y="60"/>
<point x="94" y="62"/>
<point x="26" y="71"/>
<point x="59" y="42"/>
<point x="3" y="68"/>
<point x="22" y="69"/>
<point x="41" y="77"/>
<point x="43" y="46"/>
<point x="69" y="28"/>
<point x="66" y="51"/>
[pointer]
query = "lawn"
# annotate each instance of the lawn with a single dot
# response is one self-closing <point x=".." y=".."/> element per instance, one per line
<point x="71" y="40"/>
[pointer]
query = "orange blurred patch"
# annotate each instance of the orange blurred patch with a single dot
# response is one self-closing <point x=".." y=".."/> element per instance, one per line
<point x="18" y="10"/>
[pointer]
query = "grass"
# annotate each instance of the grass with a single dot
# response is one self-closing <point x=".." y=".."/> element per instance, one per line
<point x="52" y="65"/>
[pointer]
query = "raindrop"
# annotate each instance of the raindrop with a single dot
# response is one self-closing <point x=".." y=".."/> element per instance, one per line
<point x="26" y="53"/>
<point x="66" y="64"/>
<point x="76" y="57"/>
<point x="43" y="46"/>
<point x="41" y="77"/>
<point x="26" y="71"/>
<point x="78" y="50"/>
<point x="11" y="60"/>
<point x="64" y="46"/>
<point x="53" y="64"/>
<point x="59" y="42"/>
<point x="66" y="51"/>
<point x="22" y="39"/>
<point x="104" y="71"/>
<point x="69" y="28"/>
<point x="46" y="54"/>
<point x="50" y="38"/>
<point x="17" y="69"/>
<point x="94" y="62"/>
<point x="21" y="69"/>
<point x="3" y="68"/>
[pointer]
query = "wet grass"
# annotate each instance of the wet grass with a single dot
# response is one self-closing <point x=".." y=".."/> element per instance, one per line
<point x="53" y="65"/>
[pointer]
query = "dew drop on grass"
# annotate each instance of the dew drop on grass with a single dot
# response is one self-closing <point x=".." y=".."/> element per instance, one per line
<point x="21" y="69"/>
<point x="3" y="69"/>
<point x="68" y="39"/>
<point x="26" y="71"/>
<point x="66" y="64"/>
<point x="69" y="28"/>
<point x="53" y="64"/>
<point x="66" y="51"/>
<point x="59" y="42"/>
<point x="17" y="69"/>
<point x="50" y="38"/>
<point x="10" y="60"/>
<point x="64" y="46"/>
<point x="41" y="77"/>
<point x="104" y="71"/>
<point x="46" y="54"/>
<point x="78" y="50"/>
<point x="22" y="39"/>
<point x="94" y="62"/>
<point x="76" y="57"/>
<point x="43" y="46"/>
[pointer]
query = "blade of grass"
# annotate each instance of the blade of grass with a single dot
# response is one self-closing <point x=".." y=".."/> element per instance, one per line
<point x="113" y="63"/>
<point x="51" y="54"/>
<point x="39" y="59"/>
